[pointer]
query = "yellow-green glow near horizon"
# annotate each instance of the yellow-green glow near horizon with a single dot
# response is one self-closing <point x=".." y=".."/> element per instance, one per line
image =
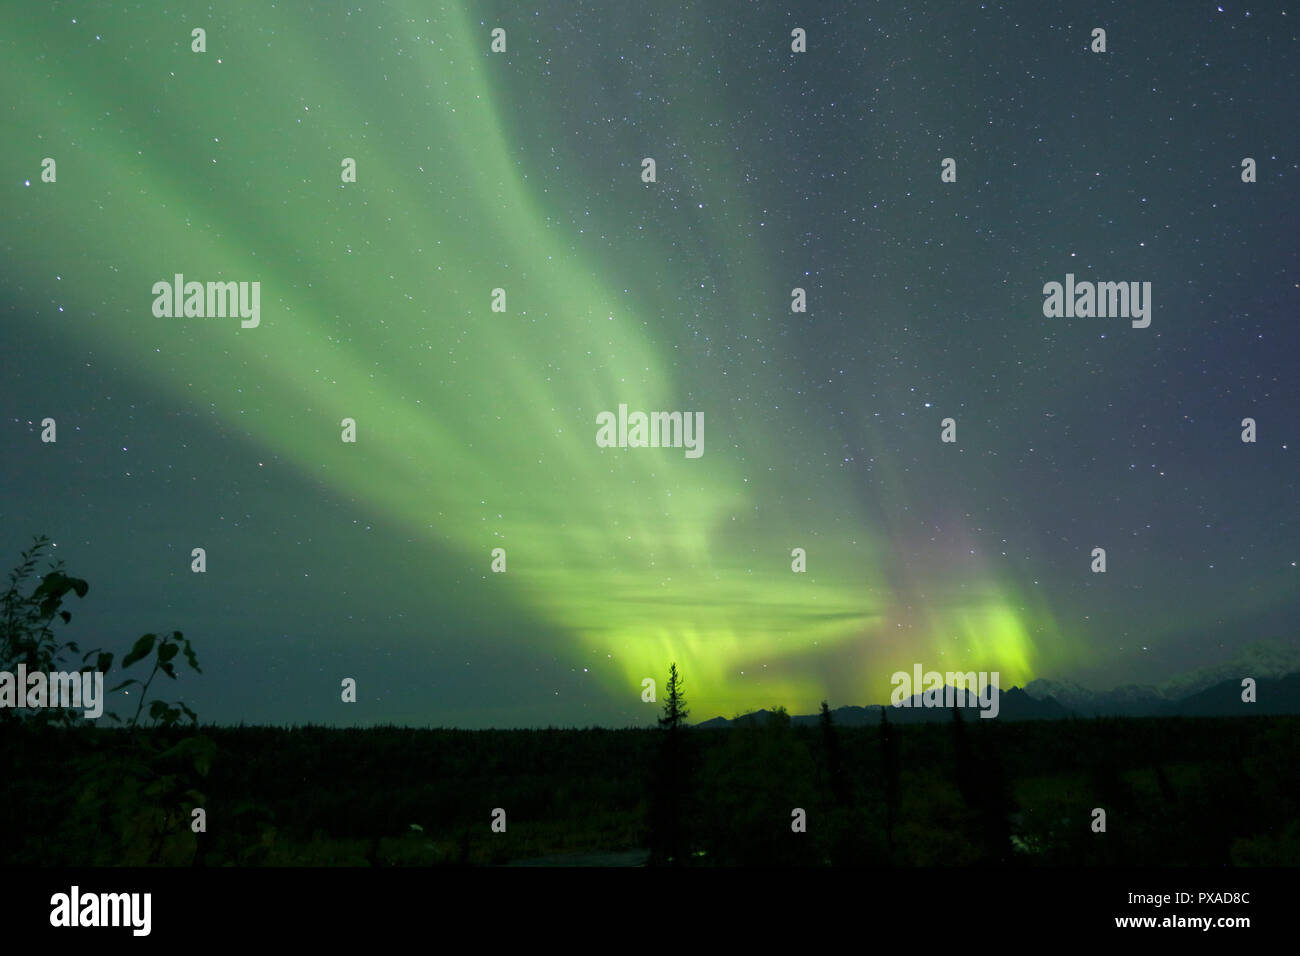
<point x="476" y="429"/>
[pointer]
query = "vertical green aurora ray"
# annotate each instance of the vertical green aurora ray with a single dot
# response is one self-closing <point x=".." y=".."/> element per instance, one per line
<point x="476" y="429"/>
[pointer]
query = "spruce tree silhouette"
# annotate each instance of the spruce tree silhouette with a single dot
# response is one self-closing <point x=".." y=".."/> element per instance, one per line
<point x="889" y="767"/>
<point x="675" y="712"/>
<point x="668" y="837"/>
<point x="834" y="762"/>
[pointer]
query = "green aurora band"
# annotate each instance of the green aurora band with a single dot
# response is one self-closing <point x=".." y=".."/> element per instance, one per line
<point x="475" y="429"/>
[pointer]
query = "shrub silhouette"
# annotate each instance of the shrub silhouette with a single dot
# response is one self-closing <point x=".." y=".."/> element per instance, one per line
<point x="134" y="795"/>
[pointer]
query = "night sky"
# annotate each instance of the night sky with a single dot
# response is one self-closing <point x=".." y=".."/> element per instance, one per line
<point x="476" y="429"/>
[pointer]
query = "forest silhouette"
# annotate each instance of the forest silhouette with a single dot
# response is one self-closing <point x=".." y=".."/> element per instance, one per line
<point x="1176" y="791"/>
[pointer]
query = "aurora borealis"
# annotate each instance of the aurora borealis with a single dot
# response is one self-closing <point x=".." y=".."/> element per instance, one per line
<point x="476" y="429"/>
